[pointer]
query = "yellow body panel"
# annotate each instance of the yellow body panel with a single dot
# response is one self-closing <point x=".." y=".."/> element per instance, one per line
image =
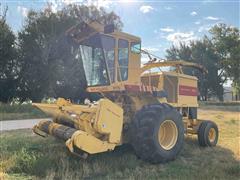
<point x="170" y="82"/>
<point x="187" y="100"/>
<point x="88" y="143"/>
<point x="134" y="71"/>
<point x="109" y="120"/>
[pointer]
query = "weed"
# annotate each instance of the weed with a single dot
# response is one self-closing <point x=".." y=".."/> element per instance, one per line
<point x="28" y="156"/>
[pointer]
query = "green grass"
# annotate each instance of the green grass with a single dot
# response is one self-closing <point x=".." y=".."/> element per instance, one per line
<point x="28" y="156"/>
<point x="13" y="112"/>
<point x="229" y="106"/>
<point x="230" y="103"/>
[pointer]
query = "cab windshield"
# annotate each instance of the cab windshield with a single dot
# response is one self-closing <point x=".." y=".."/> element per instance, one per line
<point x="97" y="55"/>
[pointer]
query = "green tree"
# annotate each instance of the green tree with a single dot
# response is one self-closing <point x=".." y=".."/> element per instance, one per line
<point x="219" y="53"/>
<point x="201" y="52"/>
<point x="210" y="84"/>
<point x="8" y="61"/>
<point x="226" y="40"/>
<point x="48" y="64"/>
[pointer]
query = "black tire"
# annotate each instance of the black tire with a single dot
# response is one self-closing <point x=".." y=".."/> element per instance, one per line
<point x="145" y="127"/>
<point x="203" y="134"/>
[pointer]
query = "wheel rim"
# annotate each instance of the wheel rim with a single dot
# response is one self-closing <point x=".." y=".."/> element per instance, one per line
<point x="212" y="135"/>
<point x="167" y="134"/>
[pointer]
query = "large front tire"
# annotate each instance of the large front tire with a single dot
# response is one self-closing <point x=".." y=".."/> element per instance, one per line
<point x="157" y="133"/>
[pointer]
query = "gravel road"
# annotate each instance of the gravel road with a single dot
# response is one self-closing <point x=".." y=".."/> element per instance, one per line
<point x="19" y="124"/>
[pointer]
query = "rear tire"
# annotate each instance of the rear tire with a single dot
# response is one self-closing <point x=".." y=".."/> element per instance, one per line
<point x="208" y="134"/>
<point x="157" y="133"/>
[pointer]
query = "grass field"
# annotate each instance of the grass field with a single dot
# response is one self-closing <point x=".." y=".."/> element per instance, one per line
<point x="10" y="112"/>
<point x="27" y="111"/>
<point x="27" y="156"/>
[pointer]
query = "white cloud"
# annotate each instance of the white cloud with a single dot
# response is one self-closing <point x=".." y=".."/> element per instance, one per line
<point x="167" y="29"/>
<point x="194" y="13"/>
<point x="144" y="59"/>
<point x="168" y="8"/>
<point x="23" y="11"/>
<point x="163" y="32"/>
<point x="178" y="37"/>
<point x="212" y="18"/>
<point x="151" y="48"/>
<point x="53" y="5"/>
<point x="160" y="34"/>
<point x="102" y="3"/>
<point x="203" y="28"/>
<point x="197" y="22"/>
<point x="146" y="9"/>
<point x="206" y="27"/>
<point x="68" y="2"/>
<point x="98" y="3"/>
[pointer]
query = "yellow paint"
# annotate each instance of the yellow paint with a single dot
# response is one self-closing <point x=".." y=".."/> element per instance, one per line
<point x="186" y="100"/>
<point x="88" y="143"/>
<point x="99" y="125"/>
<point x="167" y="134"/>
<point x="109" y="120"/>
<point x="212" y="135"/>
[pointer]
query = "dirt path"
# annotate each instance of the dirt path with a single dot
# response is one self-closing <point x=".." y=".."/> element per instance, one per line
<point x="19" y="124"/>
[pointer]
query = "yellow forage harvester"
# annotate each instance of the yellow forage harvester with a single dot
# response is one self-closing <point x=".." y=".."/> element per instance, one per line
<point x="142" y="105"/>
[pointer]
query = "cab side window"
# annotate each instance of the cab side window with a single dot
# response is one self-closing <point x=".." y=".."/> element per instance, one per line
<point x="136" y="47"/>
<point x="123" y="59"/>
<point x="108" y="44"/>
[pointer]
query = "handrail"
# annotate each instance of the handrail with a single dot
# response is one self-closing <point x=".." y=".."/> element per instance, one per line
<point x="178" y="64"/>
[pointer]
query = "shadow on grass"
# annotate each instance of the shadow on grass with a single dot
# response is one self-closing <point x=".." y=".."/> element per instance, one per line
<point x="25" y="153"/>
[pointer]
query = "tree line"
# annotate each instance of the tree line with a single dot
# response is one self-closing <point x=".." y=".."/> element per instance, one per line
<point x="39" y="60"/>
<point x="219" y="53"/>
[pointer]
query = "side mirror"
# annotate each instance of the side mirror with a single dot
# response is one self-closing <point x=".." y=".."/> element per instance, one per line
<point x="109" y="28"/>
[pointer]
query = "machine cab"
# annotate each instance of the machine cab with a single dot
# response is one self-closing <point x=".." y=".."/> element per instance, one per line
<point x="110" y="58"/>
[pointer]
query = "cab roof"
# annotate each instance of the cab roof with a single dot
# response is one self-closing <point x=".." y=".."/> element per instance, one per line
<point x="83" y="30"/>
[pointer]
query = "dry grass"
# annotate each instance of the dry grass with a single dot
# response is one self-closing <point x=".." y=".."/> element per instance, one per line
<point x="229" y="127"/>
<point x="27" y="156"/>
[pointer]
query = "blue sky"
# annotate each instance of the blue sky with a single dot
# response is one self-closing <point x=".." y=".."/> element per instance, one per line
<point x="159" y="23"/>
